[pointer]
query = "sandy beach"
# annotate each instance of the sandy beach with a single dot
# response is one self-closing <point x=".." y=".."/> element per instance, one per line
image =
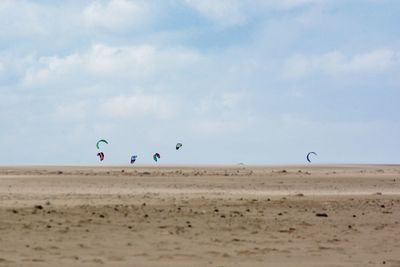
<point x="239" y="215"/>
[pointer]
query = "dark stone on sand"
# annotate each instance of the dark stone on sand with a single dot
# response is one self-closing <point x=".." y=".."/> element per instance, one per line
<point x="38" y="207"/>
<point x="101" y="216"/>
<point x="14" y="211"/>
<point x="59" y="172"/>
<point x="321" y="215"/>
<point x="146" y="215"/>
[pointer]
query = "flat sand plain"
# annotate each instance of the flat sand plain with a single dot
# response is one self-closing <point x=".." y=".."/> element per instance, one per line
<point x="304" y="215"/>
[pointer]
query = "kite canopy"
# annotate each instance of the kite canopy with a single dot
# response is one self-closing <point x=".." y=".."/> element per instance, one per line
<point x="101" y="155"/>
<point x="101" y="141"/>
<point x="133" y="159"/>
<point x="178" y="145"/>
<point x="308" y="156"/>
<point x="156" y="156"/>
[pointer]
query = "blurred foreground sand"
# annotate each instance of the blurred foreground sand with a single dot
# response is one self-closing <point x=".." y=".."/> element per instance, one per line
<point x="305" y="215"/>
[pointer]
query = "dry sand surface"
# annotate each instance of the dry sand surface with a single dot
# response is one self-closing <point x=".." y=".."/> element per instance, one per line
<point x="305" y="215"/>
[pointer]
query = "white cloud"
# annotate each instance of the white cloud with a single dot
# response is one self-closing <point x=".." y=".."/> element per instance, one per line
<point x="231" y="100"/>
<point x="288" y="4"/>
<point x="103" y="59"/>
<point x="225" y="102"/>
<point x="20" y="18"/>
<point x="48" y="68"/>
<point x="13" y="64"/>
<point x="137" y="106"/>
<point x="220" y="126"/>
<point x="132" y="62"/>
<point x="224" y="12"/>
<point x="76" y="111"/>
<point x="335" y="63"/>
<point x="60" y="22"/>
<point x="377" y="60"/>
<point x="115" y="14"/>
<point x="222" y="113"/>
<point x="227" y="13"/>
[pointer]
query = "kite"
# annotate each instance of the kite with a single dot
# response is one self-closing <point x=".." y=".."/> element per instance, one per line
<point x="101" y="155"/>
<point x="156" y="156"/>
<point x="178" y="145"/>
<point x="100" y="141"/>
<point x="308" y="156"/>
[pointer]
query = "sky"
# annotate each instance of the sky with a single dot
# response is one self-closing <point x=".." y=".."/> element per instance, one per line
<point x="235" y="81"/>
